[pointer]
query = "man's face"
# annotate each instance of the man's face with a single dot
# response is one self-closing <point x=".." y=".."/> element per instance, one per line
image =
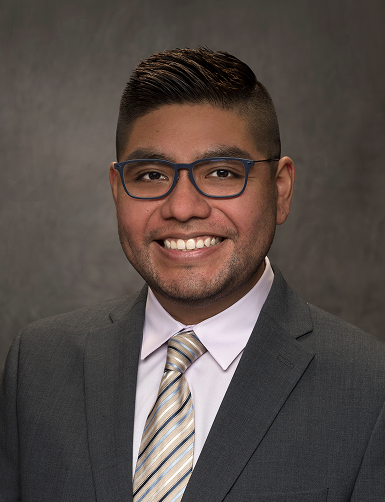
<point x="239" y="230"/>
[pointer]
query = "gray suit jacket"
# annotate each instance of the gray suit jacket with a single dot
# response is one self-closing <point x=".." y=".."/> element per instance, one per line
<point x="302" y="421"/>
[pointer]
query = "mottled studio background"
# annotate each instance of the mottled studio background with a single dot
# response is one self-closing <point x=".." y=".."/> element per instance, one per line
<point x="63" y="68"/>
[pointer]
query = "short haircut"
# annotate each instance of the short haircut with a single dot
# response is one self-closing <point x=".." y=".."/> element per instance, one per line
<point x="199" y="76"/>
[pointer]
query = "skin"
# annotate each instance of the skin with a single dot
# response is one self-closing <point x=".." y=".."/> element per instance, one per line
<point x="193" y="286"/>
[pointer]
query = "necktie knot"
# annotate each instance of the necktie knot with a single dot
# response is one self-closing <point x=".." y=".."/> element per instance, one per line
<point x="183" y="349"/>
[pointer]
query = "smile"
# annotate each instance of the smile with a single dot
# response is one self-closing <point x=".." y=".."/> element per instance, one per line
<point x="191" y="244"/>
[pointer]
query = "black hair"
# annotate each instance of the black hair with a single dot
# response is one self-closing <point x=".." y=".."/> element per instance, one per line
<point x="199" y="76"/>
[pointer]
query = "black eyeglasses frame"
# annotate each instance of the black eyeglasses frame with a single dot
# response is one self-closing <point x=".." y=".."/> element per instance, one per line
<point x="119" y="166"/>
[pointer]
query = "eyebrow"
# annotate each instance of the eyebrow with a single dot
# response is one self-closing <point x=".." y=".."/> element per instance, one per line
<point x="218" y="151"/>
<point x="145" y="153"/>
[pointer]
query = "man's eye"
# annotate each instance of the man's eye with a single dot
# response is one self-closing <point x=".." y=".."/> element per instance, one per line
<point x="221" y="173"/>
<point x="153" y="176"/>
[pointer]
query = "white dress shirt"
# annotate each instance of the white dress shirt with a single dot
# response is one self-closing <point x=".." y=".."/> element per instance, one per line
<point x="225" y="336"/>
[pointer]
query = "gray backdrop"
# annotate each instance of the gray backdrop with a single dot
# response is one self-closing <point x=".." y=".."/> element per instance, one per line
<point x="63" y="68"/>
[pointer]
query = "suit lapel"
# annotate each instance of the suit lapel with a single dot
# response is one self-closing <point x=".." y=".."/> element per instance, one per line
<point x="271" y="365"/>
<point x="110" y="372"/>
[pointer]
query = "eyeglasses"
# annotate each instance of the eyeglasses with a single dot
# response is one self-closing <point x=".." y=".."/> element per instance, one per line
<point x="221" y="177"/>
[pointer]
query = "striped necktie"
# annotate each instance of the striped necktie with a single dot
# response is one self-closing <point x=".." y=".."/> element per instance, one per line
<point x="165" y="458"/>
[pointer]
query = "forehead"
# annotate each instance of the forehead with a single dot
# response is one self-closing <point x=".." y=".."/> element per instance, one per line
<point x="184" y="133"/>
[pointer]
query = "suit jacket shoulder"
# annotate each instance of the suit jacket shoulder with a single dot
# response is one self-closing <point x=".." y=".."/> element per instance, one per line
<point x="321" y="332"/>
<point x="65" y="330"/>
<point x="96" y="316"/>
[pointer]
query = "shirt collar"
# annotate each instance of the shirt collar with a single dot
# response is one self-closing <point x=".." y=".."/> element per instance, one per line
<point x="225" y="335"/>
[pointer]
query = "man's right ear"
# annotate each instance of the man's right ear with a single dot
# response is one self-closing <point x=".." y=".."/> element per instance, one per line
<point x="114" y="181"/>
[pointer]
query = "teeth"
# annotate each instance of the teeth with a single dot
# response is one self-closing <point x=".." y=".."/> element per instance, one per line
<point x="180" y="244"/>
<point x="191" y="244"/>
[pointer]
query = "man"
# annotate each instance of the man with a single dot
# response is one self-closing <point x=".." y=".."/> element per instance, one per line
<point x="286" y="401"/>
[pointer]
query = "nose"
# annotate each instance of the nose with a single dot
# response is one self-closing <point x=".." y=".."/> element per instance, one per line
<point x="185" y="202"/>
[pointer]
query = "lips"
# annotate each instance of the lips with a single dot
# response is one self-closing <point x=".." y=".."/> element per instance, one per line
<point x="191" y="244"/>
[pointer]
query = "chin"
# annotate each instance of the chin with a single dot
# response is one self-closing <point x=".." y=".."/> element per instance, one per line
<point x="193" y="292"/>
<point x="186" y="291"/>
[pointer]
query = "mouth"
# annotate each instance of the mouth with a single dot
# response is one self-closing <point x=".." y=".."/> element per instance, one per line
<point x="191" y="244"/>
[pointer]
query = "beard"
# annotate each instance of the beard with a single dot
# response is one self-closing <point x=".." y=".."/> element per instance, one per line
<point x="191" y="288"/>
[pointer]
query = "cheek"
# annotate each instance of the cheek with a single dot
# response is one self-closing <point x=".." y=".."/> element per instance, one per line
<point x="258" y="216"/>
<point x="129" y="221"/>
<point x="134" y="218"/>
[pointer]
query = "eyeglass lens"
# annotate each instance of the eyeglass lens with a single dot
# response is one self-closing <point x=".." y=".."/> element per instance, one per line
<point x="151" y="178"/>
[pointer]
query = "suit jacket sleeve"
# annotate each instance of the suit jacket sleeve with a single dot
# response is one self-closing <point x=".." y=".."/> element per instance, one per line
<point x="9" y="444"/>
<point x="370" y="483"/>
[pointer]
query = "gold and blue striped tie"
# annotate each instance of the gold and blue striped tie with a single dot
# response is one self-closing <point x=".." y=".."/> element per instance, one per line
<point x="165" y="458"/>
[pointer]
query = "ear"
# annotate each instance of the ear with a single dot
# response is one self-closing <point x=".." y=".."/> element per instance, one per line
<point x="284" y="180"/>
<point x="114" y="180"/>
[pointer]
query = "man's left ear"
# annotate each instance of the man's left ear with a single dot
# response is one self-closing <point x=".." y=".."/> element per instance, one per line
<point x="284" y="180"/>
